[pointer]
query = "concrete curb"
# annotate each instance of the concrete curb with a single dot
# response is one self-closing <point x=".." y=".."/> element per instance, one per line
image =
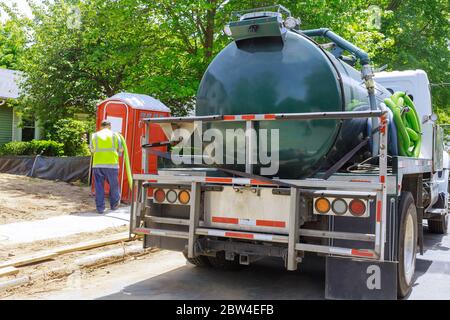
<point x="103" y="258"/>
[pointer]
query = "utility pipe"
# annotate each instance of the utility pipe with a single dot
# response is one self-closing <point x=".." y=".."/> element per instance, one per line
<point x="366" y="71"/>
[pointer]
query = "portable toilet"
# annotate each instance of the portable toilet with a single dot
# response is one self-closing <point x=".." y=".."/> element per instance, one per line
<point x="125" y="111"/>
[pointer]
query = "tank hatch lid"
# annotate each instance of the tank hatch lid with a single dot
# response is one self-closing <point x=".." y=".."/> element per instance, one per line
<point x="257" y="27"/>
<point x="139" y="101"/>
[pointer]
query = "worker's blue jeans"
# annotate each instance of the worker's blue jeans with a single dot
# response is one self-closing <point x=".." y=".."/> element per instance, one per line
<point x="112" y="176"/>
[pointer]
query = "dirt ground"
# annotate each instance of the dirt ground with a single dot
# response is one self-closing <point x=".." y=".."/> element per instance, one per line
<point x="55" y="275"/>
<point x="13" y="251"/>
<point x="23" y="198"/>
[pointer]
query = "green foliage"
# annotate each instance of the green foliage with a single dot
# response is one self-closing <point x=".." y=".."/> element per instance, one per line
<point x="12" y="44"/>
<point x="35" y="147"/>
<point x="72" y="134"/>
<point x="162" y="48"/>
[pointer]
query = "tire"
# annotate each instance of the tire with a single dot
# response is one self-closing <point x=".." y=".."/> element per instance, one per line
<point x="407" y="244"/>
<point x="220" y="262"/>
<point x="440" y="225"/>
<point x="199" y="261"/>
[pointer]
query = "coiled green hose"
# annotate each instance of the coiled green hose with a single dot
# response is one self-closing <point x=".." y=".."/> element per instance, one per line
<point x="408" y="125"/>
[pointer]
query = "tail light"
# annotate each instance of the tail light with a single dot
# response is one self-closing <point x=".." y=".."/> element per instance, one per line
<point x="184" y="197"/>
<point x="348" y="207"/>
<point x="339" y="206"/>
<point x="171" y="196"/>
<point x="322" y="205"/>
<point x="357" y="207"/>
<point x="159" y="195"/>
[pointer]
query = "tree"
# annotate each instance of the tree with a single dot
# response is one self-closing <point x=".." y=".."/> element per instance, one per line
<point x="80" y="52"/>
<point x="12" y="44"/>
<point x="420" y="32"/>
<point x="83" y="52"/>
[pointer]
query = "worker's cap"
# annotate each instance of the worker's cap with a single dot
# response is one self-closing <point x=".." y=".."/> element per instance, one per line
<point x="105" y="123"/>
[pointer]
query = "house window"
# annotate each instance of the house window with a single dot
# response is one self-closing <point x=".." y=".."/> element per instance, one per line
<point x="28" y="128"/>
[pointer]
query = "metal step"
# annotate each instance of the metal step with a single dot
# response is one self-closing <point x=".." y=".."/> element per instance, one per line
<point x="242" y="235"/>
<point x="182" y="222"/>
<point x="439" y="211"/>
<point x="161" y="232"/>
<point x="360" y="253"/>
<point x="337" y="235"/>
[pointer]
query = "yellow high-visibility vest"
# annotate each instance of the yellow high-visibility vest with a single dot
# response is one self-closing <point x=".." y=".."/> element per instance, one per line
<point x="105" y="146"/>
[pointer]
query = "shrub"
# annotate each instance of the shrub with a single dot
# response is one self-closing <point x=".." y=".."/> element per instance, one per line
<point x="15" y="148"/>
<point x="47" y="148"/>
<point x="34" y="147"/>
<point x="72" y="134"/>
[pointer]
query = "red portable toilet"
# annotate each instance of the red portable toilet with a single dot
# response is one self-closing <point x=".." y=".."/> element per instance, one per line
<point x="125" y="112"/>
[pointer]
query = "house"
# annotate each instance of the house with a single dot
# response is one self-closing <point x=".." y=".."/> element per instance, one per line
<point x="9" y="119"/>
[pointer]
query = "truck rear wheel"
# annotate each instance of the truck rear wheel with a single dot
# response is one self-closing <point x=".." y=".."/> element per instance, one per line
<point x="199" y="261"/>
<point x="220" y="262"/>
<point x="438" y="225"/>
<point x="407" y="245"/>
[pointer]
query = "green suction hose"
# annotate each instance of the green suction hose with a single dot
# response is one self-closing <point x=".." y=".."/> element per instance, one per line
<point x="407" y="121"/>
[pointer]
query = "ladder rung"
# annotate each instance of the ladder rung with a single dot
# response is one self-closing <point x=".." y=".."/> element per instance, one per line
<point x="183" y="222"/>
<point x="337" y="235"/>
<point x="161" y="232"/>
<point x="360" y="253"/>
<point x="242" y="235"/>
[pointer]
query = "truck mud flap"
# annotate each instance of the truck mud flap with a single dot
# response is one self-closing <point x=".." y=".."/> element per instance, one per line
<point x="360" y="280"/>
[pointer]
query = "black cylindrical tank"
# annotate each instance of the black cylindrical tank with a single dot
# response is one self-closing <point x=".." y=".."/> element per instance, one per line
<point x="288" y="74"/>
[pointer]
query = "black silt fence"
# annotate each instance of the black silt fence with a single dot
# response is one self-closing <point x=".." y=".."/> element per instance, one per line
<point x="66" y="169"/>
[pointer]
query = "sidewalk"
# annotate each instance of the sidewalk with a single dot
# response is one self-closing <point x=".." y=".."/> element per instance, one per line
<point x="61" y="226"/>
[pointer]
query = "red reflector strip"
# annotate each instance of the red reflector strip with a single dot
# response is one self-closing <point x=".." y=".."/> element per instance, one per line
<point x="270" y="117"/>
<point x="239" y="235"/>
<point x="220" y="180"/>
<point x="225" y="220"/>
<point x="253" y="181"/>
<point x="142" y="231"/>
<point x="361" y="253"/>
<point x="228" y="118"/>
<point x="378" y="210"/>
<point x="248" y="222"/>
<point x="248" y="117"/>
<point x="271" y="223"/>
<point x="382" y="179"/>
<point x="152" y="181"/>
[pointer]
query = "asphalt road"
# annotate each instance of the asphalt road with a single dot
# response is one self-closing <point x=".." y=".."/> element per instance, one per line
<point x="165" y="275"/>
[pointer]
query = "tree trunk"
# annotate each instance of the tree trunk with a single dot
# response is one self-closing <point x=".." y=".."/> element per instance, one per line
<point x="209" y="30"/>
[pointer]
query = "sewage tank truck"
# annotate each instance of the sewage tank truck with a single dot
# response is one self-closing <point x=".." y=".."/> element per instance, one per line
<point x="356" y="162"/>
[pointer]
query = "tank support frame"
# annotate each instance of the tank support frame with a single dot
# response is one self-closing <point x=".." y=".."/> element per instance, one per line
<point x="376" y="190"/>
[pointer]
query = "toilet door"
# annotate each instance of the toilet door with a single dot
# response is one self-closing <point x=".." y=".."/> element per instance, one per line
<point x="118" y="114"/>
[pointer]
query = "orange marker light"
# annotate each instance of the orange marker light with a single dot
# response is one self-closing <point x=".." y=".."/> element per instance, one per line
<point x="322" y="205"/>
<point x="184" y="197"/>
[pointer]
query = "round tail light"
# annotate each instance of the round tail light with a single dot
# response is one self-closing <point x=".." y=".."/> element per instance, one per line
<point x="357" y="207"/>
<point x="159" y="195"/>
<point x="184" y="197"/>
<point x="171" y="196"/>
<point x="322" y="205"/>
<point x="339" y="206"/>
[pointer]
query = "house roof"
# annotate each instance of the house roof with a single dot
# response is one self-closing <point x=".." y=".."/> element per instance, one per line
<point x="139" y="101"/>
<point x="9" y="83"/>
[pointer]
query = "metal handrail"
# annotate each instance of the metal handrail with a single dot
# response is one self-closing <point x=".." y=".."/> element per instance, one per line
<point x="339" y="115"/>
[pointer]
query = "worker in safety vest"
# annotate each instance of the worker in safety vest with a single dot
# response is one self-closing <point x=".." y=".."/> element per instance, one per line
<point x="106" y="146"/>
